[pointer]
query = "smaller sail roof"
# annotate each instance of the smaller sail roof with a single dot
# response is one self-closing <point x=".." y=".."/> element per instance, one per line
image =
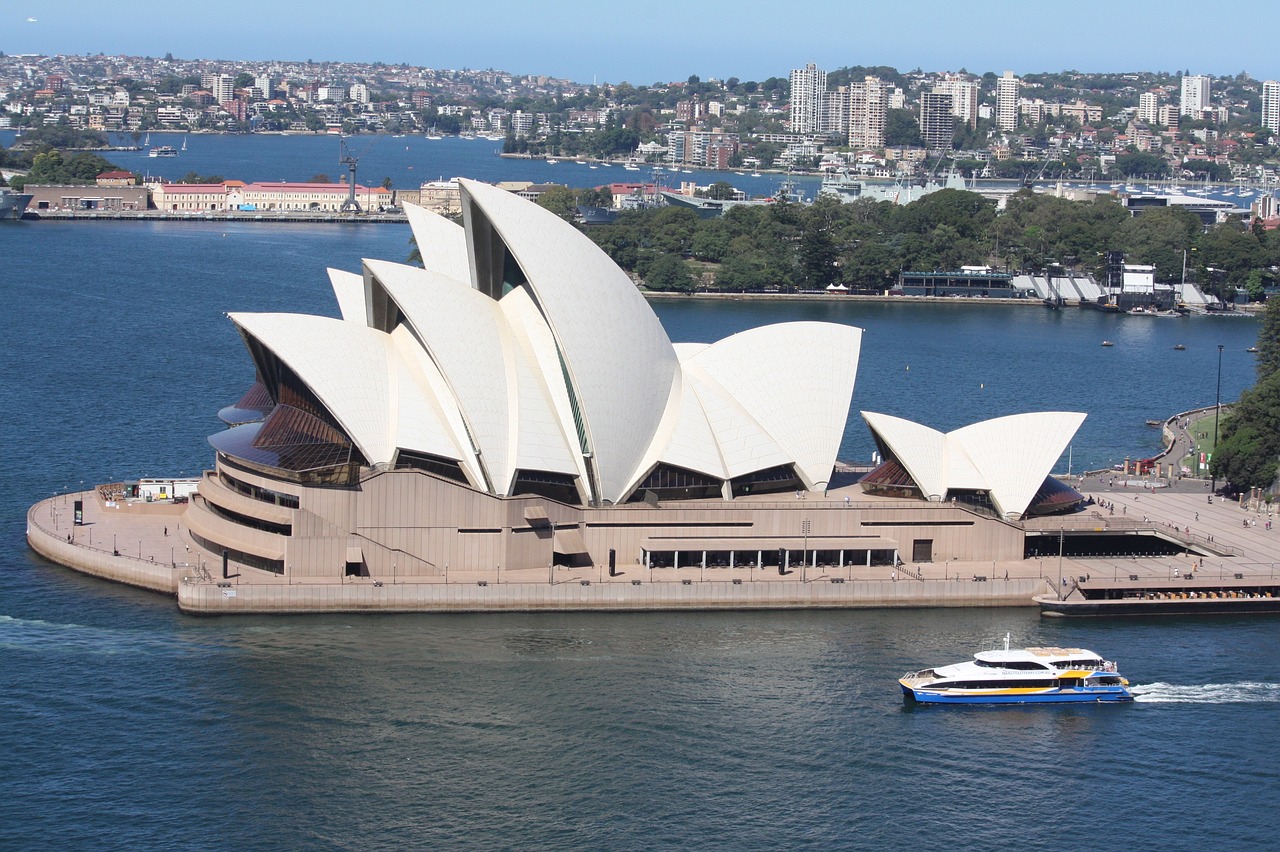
<point x="1008" y="457"/>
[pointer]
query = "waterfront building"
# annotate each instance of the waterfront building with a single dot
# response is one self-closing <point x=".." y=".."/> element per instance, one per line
<point x="282" y="196"/>
<point x="699" y="148"/>
<point x="968" y="281"/>
<point x="521" y="123"/>
<point x="808" y="88"/>
<point x="473" y="413"/>
<point x="868" y="102"/>
<point x="114" y="196"/>
<point x="937" y="120"/>
<point x="1271" y="106"/>
<point x="1195" y="96"/>
<point x="1007" y="101"/>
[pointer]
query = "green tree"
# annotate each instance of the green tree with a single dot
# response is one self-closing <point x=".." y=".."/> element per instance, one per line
<point x="720" y="190"/>
<point x="1138" y="163"/>
<point x="743" y="272"/>
<point x="669" y="273"/>
<point x="1248" y="455"/>
<point x="818" y="258"/>
<point x="1159" y="237"/>
<point x="1269" y="340"/>
<point x="561" y="201"/>
<point x="711" y="241"/>
<point x="902" y="129"/>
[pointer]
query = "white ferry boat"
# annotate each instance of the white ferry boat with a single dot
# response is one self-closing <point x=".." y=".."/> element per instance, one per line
<point x="163" y="151"/>
<point x="1020" y="676"/>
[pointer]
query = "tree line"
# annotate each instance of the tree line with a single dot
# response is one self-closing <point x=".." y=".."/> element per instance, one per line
<point x="788" y="247"/>
<point x="1248" y="452"/>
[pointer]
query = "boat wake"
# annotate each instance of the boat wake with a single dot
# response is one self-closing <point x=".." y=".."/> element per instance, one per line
<point x="47" y="636"/>
<point x="1246" y="692"/>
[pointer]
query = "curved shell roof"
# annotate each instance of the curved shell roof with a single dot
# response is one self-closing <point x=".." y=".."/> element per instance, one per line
<point x="522" y="348"/>
<point x="1009" y="457"/>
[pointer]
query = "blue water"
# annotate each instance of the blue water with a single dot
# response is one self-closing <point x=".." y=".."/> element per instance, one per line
<point x="407" y="160"/>
<point x="130" y="725"/>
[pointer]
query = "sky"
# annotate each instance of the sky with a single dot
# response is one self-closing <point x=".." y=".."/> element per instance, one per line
<point x="664" y="40"/>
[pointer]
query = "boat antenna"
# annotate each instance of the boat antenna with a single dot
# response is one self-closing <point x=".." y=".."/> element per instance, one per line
<point x="1006" y="641"/>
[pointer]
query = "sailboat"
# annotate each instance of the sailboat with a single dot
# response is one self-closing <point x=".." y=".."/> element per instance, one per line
<point x="184" y="143"/>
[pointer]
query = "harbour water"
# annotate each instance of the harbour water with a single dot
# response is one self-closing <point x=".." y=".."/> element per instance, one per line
<point x="130" y="725"/>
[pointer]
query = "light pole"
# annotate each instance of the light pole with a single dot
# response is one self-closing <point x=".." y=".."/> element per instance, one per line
<point x="1061" y="538"/>
<point x="1217" y="408"/>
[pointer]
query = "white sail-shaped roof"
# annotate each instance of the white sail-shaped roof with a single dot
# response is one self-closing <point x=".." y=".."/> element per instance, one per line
<point x="920" y="450"/>
<point x="441" y="243"/>
<point x="1017" y="452"/>
<point x="618" y="360"/>
<point x="1008" y="457"/>
<point x="464" y="333"/>
<point x="796" y="380"/>
<point x="348" y="288"/>
<point x="346" y="365"/>
<point x="521" y="347"/>
<point x="543" y="439"/>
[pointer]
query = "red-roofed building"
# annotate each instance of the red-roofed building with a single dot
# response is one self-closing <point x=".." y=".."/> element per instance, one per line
<point x="116" y="178"/>
<point x="281" y="196"/>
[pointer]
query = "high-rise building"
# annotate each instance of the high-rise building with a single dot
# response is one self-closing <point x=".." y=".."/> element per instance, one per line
<point x="221" y="86"/>
<point x="1007" y="101"/>
<point x="1149" y="107"/>
<point x="263" y="84"/>
<point x="867" y="109"/>
<point x="964" y="98"/>
<point x="808" y="86"/>
<point x="1271" y="106"/>
<point x="937" y="120"/>
<point x="834" y="117"/>
<point x="360" y="93"/>
<point x="1195" y="95"/>
<point x="521" y="123"/>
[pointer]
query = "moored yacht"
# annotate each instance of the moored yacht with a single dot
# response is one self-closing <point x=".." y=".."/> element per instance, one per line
<point x="1019" y="676"/>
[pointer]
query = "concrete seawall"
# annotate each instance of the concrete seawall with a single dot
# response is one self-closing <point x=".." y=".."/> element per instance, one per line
<point x="210" y="599"/>
<point x="199" y="592"/>
<point x="54" y="546"/>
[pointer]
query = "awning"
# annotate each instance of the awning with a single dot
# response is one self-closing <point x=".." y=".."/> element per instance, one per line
<point x="757" y="544"/>
<point x="355" y="556"/>
<point x="536" y="516"/>
<point x="569" y="540"/>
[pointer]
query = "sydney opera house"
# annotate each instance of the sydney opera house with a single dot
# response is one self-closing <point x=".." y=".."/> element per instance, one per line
<point x="510" y="417"/>
<point x="515" y="404"/>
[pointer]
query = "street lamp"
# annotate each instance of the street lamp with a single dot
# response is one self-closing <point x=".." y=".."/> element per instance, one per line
<point x="1217" y="407"/>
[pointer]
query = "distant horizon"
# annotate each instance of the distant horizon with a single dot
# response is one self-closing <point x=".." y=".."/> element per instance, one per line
<point x="661" y="43"/>
<point x="674" y="79"/>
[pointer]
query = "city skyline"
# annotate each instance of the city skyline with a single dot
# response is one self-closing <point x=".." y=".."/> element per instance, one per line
<point x="663" y="42"/>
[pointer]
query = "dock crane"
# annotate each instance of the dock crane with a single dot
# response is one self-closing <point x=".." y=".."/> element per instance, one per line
<point x="346" y="158"/>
